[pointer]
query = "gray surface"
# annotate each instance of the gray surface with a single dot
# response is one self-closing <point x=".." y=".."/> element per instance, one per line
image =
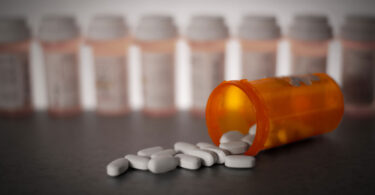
<point x="40" y="155"/>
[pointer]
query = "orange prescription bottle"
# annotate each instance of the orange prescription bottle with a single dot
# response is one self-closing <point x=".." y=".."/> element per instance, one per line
<point x="259" y="37"/>
<point x="309" y="37"/>
<point x="60" y="39"/>
<point x="15" y="93"/>
<point x="358" y="58"/>
<point x="207" y="37"/>
<point x="156" y="36"/>
<point x="108" y="36"/>
<point x="284" y="109"/>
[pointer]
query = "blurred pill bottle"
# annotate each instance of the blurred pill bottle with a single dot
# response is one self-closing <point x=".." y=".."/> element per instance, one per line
<point x="156" y="36"/>
<point x="358" y="64"/>
<point x="207" y="37"/>
<point x="108" y="36"/>
<point x="15" y="93"/>
<point x="284" y="109"/>
<point x="259" y="37"/>
<point x="60" y="40"/>
<point x="309" y="38"/>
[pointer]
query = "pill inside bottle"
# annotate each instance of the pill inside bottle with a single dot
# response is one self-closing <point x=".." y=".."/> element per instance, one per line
<point x="284" y="109"/>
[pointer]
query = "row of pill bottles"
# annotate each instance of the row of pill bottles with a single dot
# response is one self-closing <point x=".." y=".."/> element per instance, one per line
<point x="357" y="37"/>
<point x="15" y="86"/>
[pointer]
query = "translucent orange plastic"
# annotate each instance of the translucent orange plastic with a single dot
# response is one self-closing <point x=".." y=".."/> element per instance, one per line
<point x="285" y="109"/>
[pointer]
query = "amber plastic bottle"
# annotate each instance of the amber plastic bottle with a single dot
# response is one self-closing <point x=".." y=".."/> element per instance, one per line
<point x="358" y="64"/>
<point x="108" y="37"/>
<point x="309" y="37"/>
<point x="156" y="36"/>
<point x="15" y="92"/>
<point x="207" y="37"/>
<point x="60" y="39"/>
<point x="285" y="109"/>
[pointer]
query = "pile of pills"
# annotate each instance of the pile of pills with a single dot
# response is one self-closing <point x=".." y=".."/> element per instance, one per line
<point x="189" y="156"/>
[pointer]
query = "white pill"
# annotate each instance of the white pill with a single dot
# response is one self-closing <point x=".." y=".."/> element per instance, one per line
<point x="248" y="139"/>
<point x="253" y="130"/>
<point x="235" y="147"/>
<point x="209" y="158"/>
<point x="188" y="161"/>
<point x="204" y="144"/>
<point x="239" y="161"/>
<point x="183" y="146"/>
<point x="167" y="152"/>
<point x="117" y="167"/>
<point x="221" y="153"/>
<point x="138" y="162"/>
<point x="162" y="164"/>
<point x="231" y="136"/>
<point x="149" y="151"/>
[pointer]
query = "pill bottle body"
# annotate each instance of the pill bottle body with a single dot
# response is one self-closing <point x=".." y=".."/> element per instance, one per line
<point x="285" y="109"/>
<point x="61" y="65"/>
<point x="15" y="85"/>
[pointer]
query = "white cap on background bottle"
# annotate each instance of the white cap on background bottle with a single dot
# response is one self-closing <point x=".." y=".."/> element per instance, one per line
<point x="207" y="28"/>
<point x="106" y="27"/>
<point x="156" y="27"/>
<point x="13" y="29"/>
<point x="257" y="27"/>
<point x="58" y="28"/>
<point x="358" y="28"/>
<point x="310" y="28"/>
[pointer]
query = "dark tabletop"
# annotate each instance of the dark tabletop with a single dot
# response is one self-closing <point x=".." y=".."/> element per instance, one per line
<point x="42" y="155"/>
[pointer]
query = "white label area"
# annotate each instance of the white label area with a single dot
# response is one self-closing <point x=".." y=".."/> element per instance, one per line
<point x="257" y="65"/>
<point x="309" y="64"/>
<point x="207" y="73"/>
<point x="158" y="80"/>
<point x="62" y="80"/>
<point x="358" y="76"/>
<point x="14" y="80"/>
<point x="111" y="83"/>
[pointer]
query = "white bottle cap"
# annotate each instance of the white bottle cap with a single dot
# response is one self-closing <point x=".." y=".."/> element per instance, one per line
<point x="207" y="28"/>
<point x="13" y="29"/>
<point x="256" y="27"/>
<point x="358" y="28"/>
<point x="156" y="27"/>
<point x="58" y="28"/>
<point x="106" y="27"/>
<point x="310" y="28"/>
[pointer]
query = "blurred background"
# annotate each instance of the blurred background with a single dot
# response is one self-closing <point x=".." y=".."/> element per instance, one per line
<point x="181" y="11"/>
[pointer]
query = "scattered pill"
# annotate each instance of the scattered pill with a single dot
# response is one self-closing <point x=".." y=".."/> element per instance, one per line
<point x="208" y="157"/>
<point x="221" y="153"/>
<point x="204" y="144"/>
<point x="138" y="162"/>
<point x="188" y="161"/>
<point x="117" y="167"/>
<point x="149" y="151"/>
<point x="183" y="147"/>
<point x="167" y="152"/>
<point x="162" y="164"/>
<point x="253" y="130"/>
<point x="239" y="161"/>
<point x="231" y="136"/>
<point x="235" y="147"/>
<point x="248" y="139"/>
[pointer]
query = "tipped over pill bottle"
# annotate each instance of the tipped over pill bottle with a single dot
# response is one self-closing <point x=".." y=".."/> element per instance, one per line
<point x="259" y="37"/>
<point x="60" y="40"/>
<point x="309" y="38"/>
<point x="207" y="37"/>
<point x="156" y="36"/>
<point x="358" y="64"/>
<point x="15" y="93"/>
<point x="109" y="38"/>
<point x="284" y="109"/>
